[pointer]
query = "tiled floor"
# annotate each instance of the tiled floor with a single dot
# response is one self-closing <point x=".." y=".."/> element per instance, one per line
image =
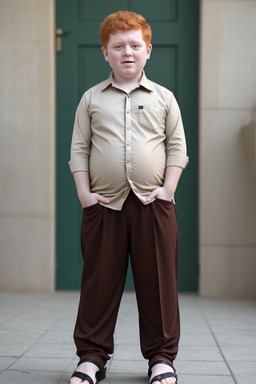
<point x="218" y="342"/>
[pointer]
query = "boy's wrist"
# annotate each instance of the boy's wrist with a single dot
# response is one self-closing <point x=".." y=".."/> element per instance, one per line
<point x="169" y="190"/>
<point x="84" y="197"/>
<point x="166" y="193"/>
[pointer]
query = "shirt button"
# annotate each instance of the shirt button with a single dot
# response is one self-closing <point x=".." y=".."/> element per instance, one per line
<point x="127" y="161"/>
<point x="128" y="112"/>
<point x="128" y="145"/>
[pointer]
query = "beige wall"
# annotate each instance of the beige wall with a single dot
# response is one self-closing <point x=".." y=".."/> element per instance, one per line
<point x="27" y="121"/>
<point x="227" y="182"/>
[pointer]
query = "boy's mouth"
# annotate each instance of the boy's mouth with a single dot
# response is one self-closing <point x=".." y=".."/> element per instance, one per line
<point x="128" y="62"/>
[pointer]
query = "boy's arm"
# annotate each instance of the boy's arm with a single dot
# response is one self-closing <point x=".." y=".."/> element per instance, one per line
<point x="80" y="154"/>
<point x="171" y="179"/>
<point x="176" y="153"/>
<point x="85" y="196"/>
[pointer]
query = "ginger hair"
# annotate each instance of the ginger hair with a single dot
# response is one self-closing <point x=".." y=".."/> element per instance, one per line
<point x="124" y="21"/>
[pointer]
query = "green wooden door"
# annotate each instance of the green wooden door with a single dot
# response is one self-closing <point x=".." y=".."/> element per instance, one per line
<point x="80" y="65"/>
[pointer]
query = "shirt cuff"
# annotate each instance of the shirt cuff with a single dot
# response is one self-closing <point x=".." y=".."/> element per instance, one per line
<point x="177" y="161"/>
<point x="81" y="164"/>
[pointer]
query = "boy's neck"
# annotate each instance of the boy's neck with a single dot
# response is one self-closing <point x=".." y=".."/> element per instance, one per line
<point x="127" y="85"/>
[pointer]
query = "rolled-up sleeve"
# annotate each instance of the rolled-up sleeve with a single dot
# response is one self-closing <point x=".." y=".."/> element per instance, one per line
<point x="176" y="149"/>
<point x="81" y="139"/>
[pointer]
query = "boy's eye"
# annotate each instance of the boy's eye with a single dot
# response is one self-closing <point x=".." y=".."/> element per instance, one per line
<point x="117" y="47"/>
<point x="135" y="46"/>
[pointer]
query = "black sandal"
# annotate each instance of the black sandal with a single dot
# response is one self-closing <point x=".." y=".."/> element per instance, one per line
<point x="100" y="375"/>
<point x="162" y="375"/>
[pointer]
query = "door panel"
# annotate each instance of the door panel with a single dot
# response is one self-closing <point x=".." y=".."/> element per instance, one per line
<point x="88" y="58"/>
<point x="91" y="10"/>
<point x="160" y="10"/>
<point x="80" y="65"/>
<point x="162" y="66"/>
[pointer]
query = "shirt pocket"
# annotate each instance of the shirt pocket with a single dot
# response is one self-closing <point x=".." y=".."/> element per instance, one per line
<point x="151" y="118"/>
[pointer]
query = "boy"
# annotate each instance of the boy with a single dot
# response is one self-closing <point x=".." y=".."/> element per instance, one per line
<point x="127" y="155"/>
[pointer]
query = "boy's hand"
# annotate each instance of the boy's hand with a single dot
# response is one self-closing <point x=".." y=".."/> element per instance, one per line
<point x="87" y="198"/>
<point x="93" y="198"/>
<point x="166" y="192"/>
<point x="160" y="193"/>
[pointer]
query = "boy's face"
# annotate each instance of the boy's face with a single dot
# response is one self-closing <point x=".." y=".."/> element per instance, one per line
<point x="127" y="54"/>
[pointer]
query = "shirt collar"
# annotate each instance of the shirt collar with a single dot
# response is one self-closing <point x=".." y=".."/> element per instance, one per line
<point x="144" y="82"/>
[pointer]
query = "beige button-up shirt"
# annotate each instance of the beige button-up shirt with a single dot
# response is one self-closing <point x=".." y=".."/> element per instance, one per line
<point x="126" y="141"/>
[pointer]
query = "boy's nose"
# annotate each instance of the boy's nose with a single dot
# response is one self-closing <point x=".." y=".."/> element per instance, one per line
<point x="127" y="51"/>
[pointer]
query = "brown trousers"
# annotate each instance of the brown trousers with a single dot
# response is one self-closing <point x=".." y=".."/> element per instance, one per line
<point x="149" y="234"/>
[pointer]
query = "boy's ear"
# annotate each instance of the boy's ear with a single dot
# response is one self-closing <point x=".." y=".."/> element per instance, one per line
<point x="105" y="53"/>
<point x="149" y="49"/>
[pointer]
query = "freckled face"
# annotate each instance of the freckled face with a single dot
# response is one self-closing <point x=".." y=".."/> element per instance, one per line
<point x="127" y="54"/>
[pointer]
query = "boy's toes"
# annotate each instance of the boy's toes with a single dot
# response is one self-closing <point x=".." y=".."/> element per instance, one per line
<point x="160" y="370"/>
<point x="169" y="380"/>
<point x="165" y="381"/>
<point x="75" y="380"/>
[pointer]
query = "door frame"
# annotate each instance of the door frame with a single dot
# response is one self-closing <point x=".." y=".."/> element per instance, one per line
<point x="192" y="82"/>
